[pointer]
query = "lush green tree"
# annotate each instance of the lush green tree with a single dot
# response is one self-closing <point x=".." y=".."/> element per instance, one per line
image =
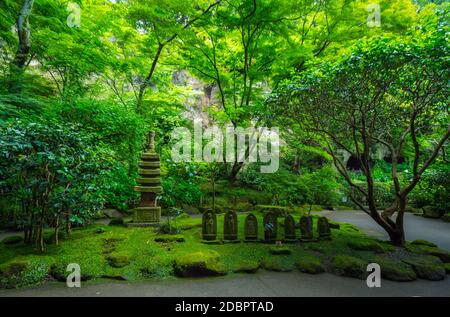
<point x="389" y="92"/>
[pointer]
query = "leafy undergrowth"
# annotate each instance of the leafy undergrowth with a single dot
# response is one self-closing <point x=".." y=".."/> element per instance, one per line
<point x="137" y="253"/>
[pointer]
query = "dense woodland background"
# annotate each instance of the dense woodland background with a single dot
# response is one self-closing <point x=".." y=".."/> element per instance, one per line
<point x="77" y="101"/>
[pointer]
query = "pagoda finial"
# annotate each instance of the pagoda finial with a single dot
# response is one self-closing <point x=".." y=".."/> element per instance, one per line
<point x="151" y="140"/>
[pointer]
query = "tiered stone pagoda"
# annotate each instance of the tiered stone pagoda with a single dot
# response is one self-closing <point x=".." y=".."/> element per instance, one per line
<point x="149" y="185"/>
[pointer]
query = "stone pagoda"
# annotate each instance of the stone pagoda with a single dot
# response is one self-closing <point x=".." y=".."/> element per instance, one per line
<point x="149" y="185"/>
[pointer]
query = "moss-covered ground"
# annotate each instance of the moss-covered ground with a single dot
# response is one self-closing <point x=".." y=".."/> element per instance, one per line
<point x="141" y="253"/>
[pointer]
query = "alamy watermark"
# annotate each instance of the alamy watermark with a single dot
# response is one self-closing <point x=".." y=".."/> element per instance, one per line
<point x="230" y="144"/>
<point x="74" y="17"/>
<point x="374" y="17"/>
<point x="74" y="278"/>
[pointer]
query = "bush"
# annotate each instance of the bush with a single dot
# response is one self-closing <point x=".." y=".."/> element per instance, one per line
<point x="12" y="240"/>
<point x="22" y="273"/>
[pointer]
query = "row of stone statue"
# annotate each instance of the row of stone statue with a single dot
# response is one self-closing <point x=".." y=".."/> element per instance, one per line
<point x="230" y="227"/>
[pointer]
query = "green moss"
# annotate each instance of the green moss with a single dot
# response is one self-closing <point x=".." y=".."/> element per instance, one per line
<point x="202" y="263"/>
<point x="395" y="270"/>
<point x="22" y="273"/>
<point x="310" y="264"/>
<point x="279" y="250"/>
<point x="12" y="240"/>
<point x="118" y="260"/>
<point x="59" y="272"/>
<point x="365" y="245"/>
<point x="247" y="266"/>
<point x="278" y="264"/>
<point x="426" y="250"/>
<point x="427" y="267"/>
<point x="424" y="243"/>
<point x="447" y="268"/>
<point x="349" y="266"/>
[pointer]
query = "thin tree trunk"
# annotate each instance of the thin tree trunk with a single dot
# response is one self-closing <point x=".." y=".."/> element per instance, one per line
<point x="57" y="230"/>
<point x="68" y="224"/>
<point x="24" y="33"/>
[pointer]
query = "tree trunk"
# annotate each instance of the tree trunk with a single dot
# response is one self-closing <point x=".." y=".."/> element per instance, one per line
<point x="24" y="33"/>
<point x="234" y="171"/>
<point x="57" y="230"/>
<point x="68" y="224"/>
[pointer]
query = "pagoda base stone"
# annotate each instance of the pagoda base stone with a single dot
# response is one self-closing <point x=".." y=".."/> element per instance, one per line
<point x="146" y="216"/>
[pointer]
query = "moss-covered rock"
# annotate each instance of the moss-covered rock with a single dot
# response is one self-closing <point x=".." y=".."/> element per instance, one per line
<point x="365" y="245"/>
<point x="447" y="268"/>
<point x="59" y="272"/>
<point x="395" y="270"/>
<point x="278" y="264"/>
<point x="423" y="249"/>
<point x="118" y="259"/>
<point x="19" y="273"/>
<point x="248" y="266"/>
<point x="425" y="243"/>
<point x="116" y="221"/>
<point x="167" y="238"/>
<point x="12" y="240"/>
<point x="310" y="264"/>
<point x="427" y="267"/>
<point x="350" y="266"/>
<point x="279" y="250"/>
<point x="197" y="264"/>
<point x="446" y="217"/>
<point x="100" y="230"/>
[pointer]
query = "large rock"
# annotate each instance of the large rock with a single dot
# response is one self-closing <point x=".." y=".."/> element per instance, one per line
<point x="427" y="267"/>
<point x="350" y="266"/>
<point x="431" y="212"/>
<point x="197" y="264"/>
<point x="365" y="245"/>
<point x="118" y="260"/>
<point x="112" y="213"/>
<point x="310" y="264"/>
<point x="395" y="270"/>
<point x="278" y="264"/>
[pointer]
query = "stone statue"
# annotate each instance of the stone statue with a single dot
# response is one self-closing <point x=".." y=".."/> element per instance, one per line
<point x="323" y="228"/>
<point x="289" y="228"/>
<point x="270" y="227"/>
<point x="230" y="226"/>
<point x="306" y="228"/>
<point x="209" y="225"/>
<point x="251" y="228"/>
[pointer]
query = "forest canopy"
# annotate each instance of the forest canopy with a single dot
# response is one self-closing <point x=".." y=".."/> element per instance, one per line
<point x="358" y="92"/>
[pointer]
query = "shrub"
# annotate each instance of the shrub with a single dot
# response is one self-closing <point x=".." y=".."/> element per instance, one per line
<point x="12" y="240"/>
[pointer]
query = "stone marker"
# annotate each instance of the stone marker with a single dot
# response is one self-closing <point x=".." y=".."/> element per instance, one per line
<point x="306" y="228"/>
<point x="289" y="228"/>
<point x="209" y="225"/>
<point x="323" y="228"/>
<point x="149" y="185"/>
<point x="251" y="228"/>
<point x="230" y="226"/>
<point x="270" y="227"/>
